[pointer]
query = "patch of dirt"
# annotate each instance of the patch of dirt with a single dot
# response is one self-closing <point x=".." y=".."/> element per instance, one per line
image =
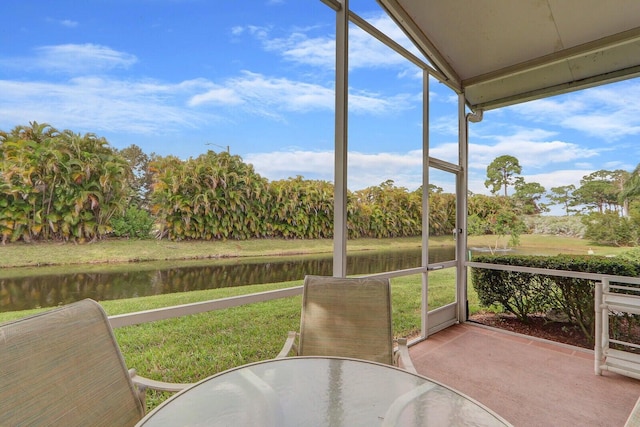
<point x="537" y="326"/>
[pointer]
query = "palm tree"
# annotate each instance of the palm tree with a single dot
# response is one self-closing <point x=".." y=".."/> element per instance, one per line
<point x="631" y="187"/>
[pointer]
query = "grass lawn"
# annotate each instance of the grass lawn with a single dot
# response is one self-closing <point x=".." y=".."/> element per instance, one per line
<point x="190" y="348"/>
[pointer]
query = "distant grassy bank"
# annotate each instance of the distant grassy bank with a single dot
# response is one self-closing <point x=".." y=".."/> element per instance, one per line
<point x="124" y="251"/>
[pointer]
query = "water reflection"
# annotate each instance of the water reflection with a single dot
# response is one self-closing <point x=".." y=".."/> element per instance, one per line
<point x="21" y="293"/>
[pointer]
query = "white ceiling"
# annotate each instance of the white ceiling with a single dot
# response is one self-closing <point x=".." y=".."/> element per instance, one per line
<point x="501" y="52"/>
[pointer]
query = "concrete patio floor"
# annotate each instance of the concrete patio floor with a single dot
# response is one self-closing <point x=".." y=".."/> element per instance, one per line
<point x="528" y="381"/>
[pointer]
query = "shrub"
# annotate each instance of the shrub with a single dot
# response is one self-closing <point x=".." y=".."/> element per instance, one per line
<point x="525" y="293"/>
<point x="570" y="226"/>
<point x="135" y="223"/>
<point x="521" y="294"/>
<point x="610" y="229"/>
<point x="632" y="255"/>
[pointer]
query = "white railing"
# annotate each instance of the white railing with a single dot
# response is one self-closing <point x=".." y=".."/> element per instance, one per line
<point x="615" y="300"/>
<point x="129" y="319"/>
<point x="146" y="316"/>
<point x="605" y="301"/>
<point x="560" y="273"/>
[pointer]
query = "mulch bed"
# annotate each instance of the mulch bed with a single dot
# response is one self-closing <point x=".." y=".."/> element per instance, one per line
<point x="537" y="326"/>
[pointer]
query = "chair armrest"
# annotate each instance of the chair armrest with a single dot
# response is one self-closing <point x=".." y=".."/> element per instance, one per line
<point x="143" y="383"/>
<point x="402" y="353"/>
<point x="156" y="385"/>
<point x="289" y="344"/>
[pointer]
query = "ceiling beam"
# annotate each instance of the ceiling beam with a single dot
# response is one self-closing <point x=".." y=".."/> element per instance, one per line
<point x="597" y="80"/>
<point x="600" y="45"/>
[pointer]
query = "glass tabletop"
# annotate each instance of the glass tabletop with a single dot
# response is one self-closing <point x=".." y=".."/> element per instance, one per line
<point x="319" y="391"/>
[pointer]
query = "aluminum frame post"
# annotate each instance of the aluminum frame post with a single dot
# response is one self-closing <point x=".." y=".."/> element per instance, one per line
<point x="341" y="142"/>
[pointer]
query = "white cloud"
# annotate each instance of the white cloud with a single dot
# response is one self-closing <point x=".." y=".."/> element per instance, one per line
<point x="558" y="178"/>
<point x="273" y="96"/>
<point x="533" y="148"/>
<point x="608" y="112"/>
<point x="619" y="164"/>
<point x="100" y="104"/>
<point x="217" y="95"/>
<point x="69" y="23"/>
<point x="74" y="59"/>
<point x="364" y="170"/>
<point x="108" y="103"/>
<point x="367" y="170"/>
<point x="365" y="51"/>
<point x="298" y="47"/>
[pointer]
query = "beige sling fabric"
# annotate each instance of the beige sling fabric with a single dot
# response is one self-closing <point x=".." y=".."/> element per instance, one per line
<point x="63" y="367"/>
<point x="348" y="317"/>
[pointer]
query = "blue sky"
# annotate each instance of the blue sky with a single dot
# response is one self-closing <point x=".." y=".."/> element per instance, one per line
<point x="183" y="76"/>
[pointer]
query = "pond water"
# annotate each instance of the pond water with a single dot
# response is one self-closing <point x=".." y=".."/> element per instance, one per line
<point x="49" y="287"/>
<point x="53" y="286"/>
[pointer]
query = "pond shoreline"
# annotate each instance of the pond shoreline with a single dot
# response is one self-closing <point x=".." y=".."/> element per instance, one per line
<point x="116" y="251"/>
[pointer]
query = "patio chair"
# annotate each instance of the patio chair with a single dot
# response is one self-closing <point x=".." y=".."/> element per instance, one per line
<point x="347" y="317"/>
<point x="64" y="367"/>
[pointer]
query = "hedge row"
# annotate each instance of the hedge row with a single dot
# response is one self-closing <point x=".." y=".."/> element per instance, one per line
<point x="524" y="294"/>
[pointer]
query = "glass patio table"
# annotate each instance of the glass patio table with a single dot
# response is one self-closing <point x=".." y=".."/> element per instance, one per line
<point x="319" y="391"/>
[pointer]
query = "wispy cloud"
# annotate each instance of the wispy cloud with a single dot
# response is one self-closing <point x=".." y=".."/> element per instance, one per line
<point x="97" y="97"/>
<point x="69" y="23"/>
<point x="74" y="59"/>
<point x="305" y="46"/>
<point x="273" y="96"/>
<point x="364" y="169"/>
<point x="609" y="113"/>
<point x="530" y="154"/>
<point x="101" y="104"/>
<point x="558" y="178"/>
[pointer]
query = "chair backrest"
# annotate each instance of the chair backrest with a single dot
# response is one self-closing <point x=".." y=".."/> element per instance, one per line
<point x="347" y="317"/>
<point x="64" y="367"/>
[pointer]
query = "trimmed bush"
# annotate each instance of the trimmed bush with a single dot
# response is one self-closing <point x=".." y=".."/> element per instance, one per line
<point x="523" y="294"/>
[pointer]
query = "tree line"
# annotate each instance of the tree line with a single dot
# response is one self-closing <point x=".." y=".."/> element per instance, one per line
<point x="61" y="185"/>
<point x="601" y="191"/>
<point x="607" y="201"/>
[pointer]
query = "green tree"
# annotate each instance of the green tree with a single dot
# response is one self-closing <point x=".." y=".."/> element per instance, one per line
<point x="631" y="187"/>
<point x="610" y="228"/>
<point x="389" y="211"/>
<point x="563" y="196"/>
<point x="58" y="185"/>
<point x="631" y="190"/>
<point x="599" y="191"/>
<point x="140" y="181"/>
<point x="134" y="223"/>
<point x="501" y="173"/>
<point x="300" y="208"/>
<point x="442" y="212"/>
<point x="214" y="196"/>
<point x="528" y="195"/>
<point x="495" y="215"/>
